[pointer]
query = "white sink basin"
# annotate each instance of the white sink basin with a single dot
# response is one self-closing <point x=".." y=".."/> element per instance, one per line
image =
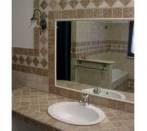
<point x="106" y="93"/>
<point x="75" y="113"/>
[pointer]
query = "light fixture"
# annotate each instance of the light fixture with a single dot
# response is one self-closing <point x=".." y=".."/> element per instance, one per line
<point x="42" y="22"/>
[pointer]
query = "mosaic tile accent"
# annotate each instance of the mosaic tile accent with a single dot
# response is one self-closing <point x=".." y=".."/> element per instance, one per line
<point x="44" y="63"/>
<point x="14" y="58"/>
<point x="28" y="60"/>
<point x="43" y="51"/>
<point x="73" y="3"/>
<point x="33" y="70"/>
<point x="63" y="3"/>
<point x="21" y="59"/>
<point x="125" y="2"/>
<point x="110" y="2"/>
<point x="44" y="4"/>
<point x="85" y="2"/>
<point x="35" y="61"/>
<point x="53" y="4"/>
<point x="23" y="51"/>
<point x="97" y="2"/>
<point x="43" y="39"/>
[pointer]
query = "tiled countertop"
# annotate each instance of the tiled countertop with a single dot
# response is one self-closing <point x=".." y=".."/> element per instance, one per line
<point x="32" y="104"/>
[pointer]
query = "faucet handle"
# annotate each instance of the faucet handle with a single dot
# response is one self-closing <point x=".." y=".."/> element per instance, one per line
<point x="85" y="95"/>
<point x="97" y="90"/>
<point x="84" y="99"/>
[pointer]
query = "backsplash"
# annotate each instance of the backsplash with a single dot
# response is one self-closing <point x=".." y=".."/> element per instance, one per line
<point x="33" y="60"/>
<point x="94" y="47"/>
<point x="104" y="40"/>
<point x="22" y="79"/>
<point x="40" y="60"/>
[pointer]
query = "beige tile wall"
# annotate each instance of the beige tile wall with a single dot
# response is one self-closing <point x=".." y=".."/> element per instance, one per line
<point x="65" y="9"/>
<point x="103" y="40"/>
<point x="122" y="61"/>
<point x="20" y="79"/>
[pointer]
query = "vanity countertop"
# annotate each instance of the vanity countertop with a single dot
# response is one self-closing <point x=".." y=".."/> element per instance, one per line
<point x="32" y="105"/>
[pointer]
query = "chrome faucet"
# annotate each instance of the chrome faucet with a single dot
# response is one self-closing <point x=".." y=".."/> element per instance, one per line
<point x="84" y="99"/>
<point x="96" y="90"/>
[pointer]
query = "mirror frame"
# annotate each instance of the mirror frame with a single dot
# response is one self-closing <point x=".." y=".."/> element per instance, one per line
<point x="85" y="19"/>
<point x="54" y="15"/>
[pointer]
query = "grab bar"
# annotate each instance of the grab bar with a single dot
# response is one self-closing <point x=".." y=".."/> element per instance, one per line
<point x="94" y="68"/>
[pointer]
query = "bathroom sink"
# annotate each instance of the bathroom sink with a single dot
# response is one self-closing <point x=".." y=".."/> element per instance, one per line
<point x="76" y="113"/>
<point x="106" y="93"/>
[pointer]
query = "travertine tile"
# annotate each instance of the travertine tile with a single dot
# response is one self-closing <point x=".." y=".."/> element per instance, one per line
<point x="107" y="13"/>
<point x="63" y="3"/>
<point x="85" y="2"/>
<point x="31" y="106"/>
<point x="117" y="12"/>
<point x="110" y="2"/>
<point x="35" y="61"/>
<point x="44" y="4"/>
<point x="43" y="39"/>
<point x="125" y="2"/>
<point x="97" y="2"/>
<point x="73" y="3"/>
<point x="21" y="59"/>
<point x="98" y="13"/>
<point x="43" y="51"/>
<point x="128" y="12"/>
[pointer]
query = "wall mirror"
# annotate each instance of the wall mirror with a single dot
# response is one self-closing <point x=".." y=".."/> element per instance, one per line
<point x="96" y="56"/>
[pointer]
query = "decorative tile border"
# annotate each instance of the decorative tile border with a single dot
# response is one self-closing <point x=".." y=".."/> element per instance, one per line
<point x="92" y="47"/>
<point x="85" y="4"/>
<point x="24" y="51"/>
<point x="92" y="13"/>
<point x="27" y="69"/>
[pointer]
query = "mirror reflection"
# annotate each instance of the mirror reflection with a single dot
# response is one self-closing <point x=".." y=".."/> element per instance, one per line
<point x="96" y="57"/>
